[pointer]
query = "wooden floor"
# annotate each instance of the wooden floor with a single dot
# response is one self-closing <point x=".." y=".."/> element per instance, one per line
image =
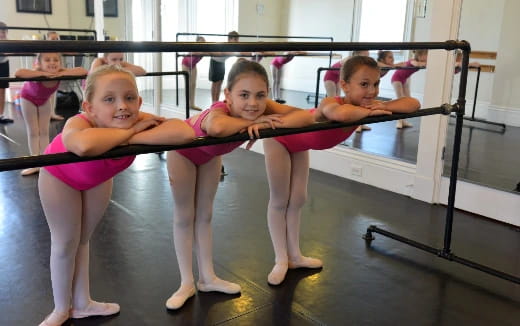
<point x="385" y="283"/>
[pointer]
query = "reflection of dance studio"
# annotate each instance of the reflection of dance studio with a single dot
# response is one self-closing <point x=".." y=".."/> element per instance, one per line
<point x="412" y="225"/>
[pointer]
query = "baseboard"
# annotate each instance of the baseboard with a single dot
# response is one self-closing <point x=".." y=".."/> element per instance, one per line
<point x="499" y="205"/>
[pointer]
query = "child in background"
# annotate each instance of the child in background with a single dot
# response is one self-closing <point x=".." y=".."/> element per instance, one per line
<point x="217" y="69"/>
<point x="195" y="172"/>
<point x="36" y="100"/>
<point x="287" y="158"/>
<point x="54" y="36"/>
<point x="385" y="59"/>
<point x="332" y="80"/>
<point x="74" y="196"/>
<point x="276" y="71"/>
<point x="189" y="64"/>
<point x="4" y="72"/>
<point x="401" y="79"/>
<point x="117" y="58"/>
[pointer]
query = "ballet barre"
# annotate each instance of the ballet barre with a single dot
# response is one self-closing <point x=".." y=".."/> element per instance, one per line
<point x="458" y="108"/>
<point x="31" y="28"/>
<point x="148" y="74"/>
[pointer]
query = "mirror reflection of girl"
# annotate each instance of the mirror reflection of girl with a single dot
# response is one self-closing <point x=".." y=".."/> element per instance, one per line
<point x="117" y="58"/>
<point x="189" y="64"/>
<point x="401" y="79"/>
<point x="287" y="158"/>
<point x="36" y="100"/>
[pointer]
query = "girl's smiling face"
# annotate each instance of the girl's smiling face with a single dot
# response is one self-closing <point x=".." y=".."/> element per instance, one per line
<point x="362" y="87"/>
<point x="248" y="97"/>
<point x="115" y="101"/>
<point x="50" y="62"/>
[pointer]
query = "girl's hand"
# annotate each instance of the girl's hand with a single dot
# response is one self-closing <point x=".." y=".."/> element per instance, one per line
<point x="376" y="105"/>
<point x="254" y="130"/>
<point x="269" y="119"/>
<point x="379" y="112"/>
<point x="146" y="124"/>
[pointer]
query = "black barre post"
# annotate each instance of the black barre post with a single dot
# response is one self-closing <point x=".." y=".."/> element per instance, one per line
<point x="445" y="252"/>
<point x="475" y="104"/>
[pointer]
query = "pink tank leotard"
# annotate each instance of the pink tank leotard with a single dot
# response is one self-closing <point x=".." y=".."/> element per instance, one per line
<point x="402" y="75"/>
<point x="333" y="75"/>
<point x="278" y="62"/>
<point x="36" y="93"/>
<point x="322" y="139"/>
<point x="191" y="61"/>
<point x="84" y="175"/>
<point x="203" y="154"/>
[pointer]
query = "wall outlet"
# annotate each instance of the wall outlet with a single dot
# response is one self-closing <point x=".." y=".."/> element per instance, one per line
<point x="356" y="170"/>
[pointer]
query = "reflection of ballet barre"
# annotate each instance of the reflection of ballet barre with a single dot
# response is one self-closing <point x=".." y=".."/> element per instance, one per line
<point x="148" y="74"/>
<point x="261" y="54"/>
<point x="62" y="54"/>
<point x="51" y="29"/>
<point x="125" y="46"/>
<point x="285" y="37"/>
<point x="472" y="118"/>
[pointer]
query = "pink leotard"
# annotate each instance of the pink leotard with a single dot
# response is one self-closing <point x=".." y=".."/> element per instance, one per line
<point x="321" y="139"/>
<point x="402" y="75"/>
<point x="84" y="175"/>
<point x="278" y="62"/>
<point x="36" y="93"/>
<point x="333" y="75"/>
<point x="191" y="61"/>
<point x="203" y="154"/>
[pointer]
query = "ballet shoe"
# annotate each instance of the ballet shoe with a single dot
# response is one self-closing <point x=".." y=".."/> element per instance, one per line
<point x="178" y="299"/>
<point x="363" y="128"/>
<point x="96" y="309"/>
<point x="55" y="319"/>
<point x="29" y="171"/>
<point x="196" y="108"/>
<point x="278" y="273"/>
<point x="218" y="285"/>
<point x="403" y="124"/>
<point x="57" y="117"/>
<point x="305" y="262"/>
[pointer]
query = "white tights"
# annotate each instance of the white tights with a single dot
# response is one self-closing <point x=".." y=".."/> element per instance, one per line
<point x="72" y="216"/>
<point x="288" y="175"/>
<point x="194" y="188"/>
<point x="37" y="120"/>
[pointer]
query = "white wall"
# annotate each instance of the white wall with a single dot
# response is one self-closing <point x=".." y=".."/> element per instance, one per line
<point x="507" y="74"/>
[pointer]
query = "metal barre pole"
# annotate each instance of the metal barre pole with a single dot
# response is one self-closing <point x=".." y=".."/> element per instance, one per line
<point x="62" y="158"/>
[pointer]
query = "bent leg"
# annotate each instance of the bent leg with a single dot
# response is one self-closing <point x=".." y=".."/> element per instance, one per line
<point x="208" y="178"/>
<point x="95" y="202"/>
<point x="299" y="182"/>
<point x="65" y="226"/>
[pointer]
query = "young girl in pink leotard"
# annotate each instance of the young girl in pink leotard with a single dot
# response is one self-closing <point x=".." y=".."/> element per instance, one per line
<point x="287" y="158"/>
<point x="36" y="100"/>
<point x="195" y="172"/>
<point x="401" y="79"/>
<point x="74" y="196"/>
<point x="332" y="78"/>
